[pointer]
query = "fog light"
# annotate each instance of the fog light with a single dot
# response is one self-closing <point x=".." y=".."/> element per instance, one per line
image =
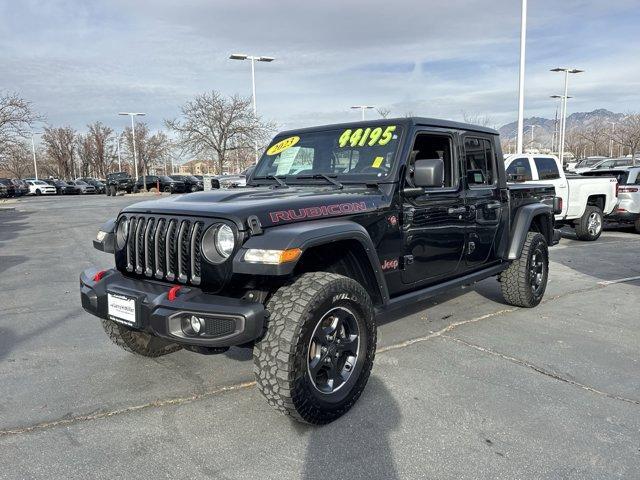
<point x="196" y="324"/>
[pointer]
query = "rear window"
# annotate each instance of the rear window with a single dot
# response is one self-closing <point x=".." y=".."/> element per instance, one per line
<point x="547" y="168"/>
<point x="520" y="167"/>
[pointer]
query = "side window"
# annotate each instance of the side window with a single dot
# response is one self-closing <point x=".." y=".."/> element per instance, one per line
<point x="479" y="161"/>
<point x="428" y="146"/>
<point x="547" y="168"/>
<point x="520" y="167"/>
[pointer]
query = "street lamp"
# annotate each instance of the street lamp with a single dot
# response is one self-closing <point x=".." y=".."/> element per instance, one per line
<point x="563" y="114"/>
<point x="523" y="44"/>
<point x="613" y="132"/>
<point x="119" y="160"/>
<point x="33" y="150"/>
<point x="555" y="136"/>
<point x="133" y="141"/>
<point x="362" y="108"/>
<point x="254" y="59"/>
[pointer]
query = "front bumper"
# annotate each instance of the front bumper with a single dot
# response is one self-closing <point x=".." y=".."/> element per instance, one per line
<point x="227" y="321"/>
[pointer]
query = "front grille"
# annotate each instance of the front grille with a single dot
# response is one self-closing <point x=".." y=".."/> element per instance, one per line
<point x="164" y="248"/>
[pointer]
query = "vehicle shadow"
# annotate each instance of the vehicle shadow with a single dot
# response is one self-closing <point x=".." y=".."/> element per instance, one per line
<point x="11" y="223"/>
<point x="360" y="449"/>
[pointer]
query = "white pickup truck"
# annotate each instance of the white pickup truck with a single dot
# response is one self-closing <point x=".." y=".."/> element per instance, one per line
<point x="585" y="200"/>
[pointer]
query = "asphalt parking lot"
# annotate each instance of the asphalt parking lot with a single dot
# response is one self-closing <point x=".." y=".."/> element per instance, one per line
<point x="462" y="387"/>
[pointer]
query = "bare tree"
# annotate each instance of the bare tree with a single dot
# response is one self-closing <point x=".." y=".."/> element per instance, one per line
<point x="16" y="117"/>
<point x="60" y="147"/>
<point x="102" y="153"/>
<point x="627" y="134"/>
<point x="383" y="112"/>
<point x="595" y="134"/>
<point x="151" y="149"/>
<point x="212" y="124"/>
<point x="477" y="119"/>
<point x="17" y="160"/>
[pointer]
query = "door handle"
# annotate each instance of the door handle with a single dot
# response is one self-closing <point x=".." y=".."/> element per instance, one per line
<point x="493" y="206"/>
<point x="457" y="210"/>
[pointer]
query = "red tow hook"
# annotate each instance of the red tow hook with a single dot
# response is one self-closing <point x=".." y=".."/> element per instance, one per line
<point x="173" y="293"/>
<point x="98" y="276"/>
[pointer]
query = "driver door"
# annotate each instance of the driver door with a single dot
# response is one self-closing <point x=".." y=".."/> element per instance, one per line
<point x="434" y="223"/>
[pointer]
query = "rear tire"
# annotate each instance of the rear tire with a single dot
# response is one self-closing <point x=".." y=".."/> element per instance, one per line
<point x="38" y="192"/>
<point x="523" y="284"/>
<point x="589" y="226"/>
<point x="135" y="341"/>
<point x="317" y="354"/>
<point x="637" y="225"/>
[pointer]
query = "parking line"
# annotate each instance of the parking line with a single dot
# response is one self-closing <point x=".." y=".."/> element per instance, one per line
<point x="620" y="280"/>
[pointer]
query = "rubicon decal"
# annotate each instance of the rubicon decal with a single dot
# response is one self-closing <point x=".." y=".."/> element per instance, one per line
<point x="316" y="212"/>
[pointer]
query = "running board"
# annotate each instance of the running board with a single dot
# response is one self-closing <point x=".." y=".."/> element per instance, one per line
<point x="426" y="293"/>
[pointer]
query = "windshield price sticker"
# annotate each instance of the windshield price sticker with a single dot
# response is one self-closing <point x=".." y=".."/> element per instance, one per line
<point x="366" y="136"/>
<point x="282" y="145"/>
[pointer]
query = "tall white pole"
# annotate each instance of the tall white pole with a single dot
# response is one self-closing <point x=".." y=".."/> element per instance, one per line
<point x="255" y="108"/>
<point x="523" y="41"/>
<point x="563" y="118"/>
<point x="362" y="108"/>
<point x="135" y="154"/>
<point x="119" y="160"/>
<point x="33" y="150"/>
<point x="613" y="132"/>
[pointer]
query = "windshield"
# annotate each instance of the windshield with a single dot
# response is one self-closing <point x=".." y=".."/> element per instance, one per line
<point x="351" y="153"/>
<point x="165" y="179"/>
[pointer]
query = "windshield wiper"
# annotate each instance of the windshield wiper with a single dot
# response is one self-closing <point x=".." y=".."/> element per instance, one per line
<point x="281" y="182"/>
<point x="323" y="176"/>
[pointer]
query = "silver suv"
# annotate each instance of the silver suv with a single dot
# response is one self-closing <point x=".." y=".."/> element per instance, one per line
<point x="628" y="208"/>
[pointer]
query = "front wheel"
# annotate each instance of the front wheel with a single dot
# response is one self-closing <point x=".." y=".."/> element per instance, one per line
<point x="636" y="224"/>
<point x="135" y="341"/>
<point x="317" y="354"/>
<point x="524" y="282"/>
<point x="589" y="226"/>
<point x="38" y="192"/>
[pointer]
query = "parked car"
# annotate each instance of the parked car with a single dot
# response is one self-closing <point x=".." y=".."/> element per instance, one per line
<point x="614" y="163"/>
<point x="228" y="181"/>
<point x="301" y="264"/>
<point x="191" y="183"/>
<point x="64" y="188"/>
<point x="166" y="184"/>
<point x="628" y="208"/>
<point x="40" y="187"/>
<point x="83" y="187"/>
<point x="587" y="164"/>
<point x="119" y="182"/>
<point x="97" y="184"/>
<point x="585" y="201"/>
<point x="7" y="188"/>
<point x="20" y="186"/>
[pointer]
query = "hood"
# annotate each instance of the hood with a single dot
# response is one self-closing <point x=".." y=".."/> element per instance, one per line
<point x="272" y="206"/>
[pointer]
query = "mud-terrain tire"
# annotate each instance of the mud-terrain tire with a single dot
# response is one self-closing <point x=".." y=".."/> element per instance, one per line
<point x="589" y="226"/>
<point x="339" y="312"/>
<point x="135" y="341"/>
<point x="524" y="282"/>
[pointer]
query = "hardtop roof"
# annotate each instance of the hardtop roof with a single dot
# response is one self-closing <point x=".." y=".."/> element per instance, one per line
<point x="405" y="121"/>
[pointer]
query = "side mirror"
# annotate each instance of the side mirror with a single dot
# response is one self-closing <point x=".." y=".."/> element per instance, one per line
<point x="475" y="177"/>
<point x="428" y="173"/>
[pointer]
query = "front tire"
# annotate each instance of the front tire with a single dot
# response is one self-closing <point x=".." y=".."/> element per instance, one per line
<point x="636" y="224"/>
<point x="523" y="284"/>
<point x="589" y="226"/>
<point x="135" y="341"/>
<point x="317" y="354"/>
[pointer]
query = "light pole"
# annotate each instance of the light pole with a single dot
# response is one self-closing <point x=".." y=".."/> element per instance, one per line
<point x="254" y="59"/>
<point x="613" y="132"/>
<point x="563" y="114"/>
<point x="362" y="108"/>
<point x="133" y="141"/>
<point x="555" y="127"/>
<point x="523" y="44"/>
<point x="33" y="150"/>
<point x="119" y="159"/>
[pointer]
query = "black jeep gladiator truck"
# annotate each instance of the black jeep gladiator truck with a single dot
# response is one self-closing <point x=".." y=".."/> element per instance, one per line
<point x="118" y="182"/>
<point x="337" y="224"/>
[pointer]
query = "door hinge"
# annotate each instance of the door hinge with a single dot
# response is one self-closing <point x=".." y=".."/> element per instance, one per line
<point x="406" y="260"/>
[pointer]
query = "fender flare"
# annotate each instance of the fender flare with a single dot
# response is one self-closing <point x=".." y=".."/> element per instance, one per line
<point x="522" y="222"/>
<point x="305" y="235"/>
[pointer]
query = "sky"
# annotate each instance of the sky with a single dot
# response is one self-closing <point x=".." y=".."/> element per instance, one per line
<point x="80" y="61"/>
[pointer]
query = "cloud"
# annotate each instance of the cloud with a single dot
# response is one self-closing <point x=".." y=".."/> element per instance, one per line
<point x="84" y="61"/>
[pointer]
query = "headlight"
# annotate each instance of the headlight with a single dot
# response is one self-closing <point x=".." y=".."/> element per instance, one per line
<point x="272" y="257"/>
<point x="121" y="233"/>
<point x="218" y="243"/>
